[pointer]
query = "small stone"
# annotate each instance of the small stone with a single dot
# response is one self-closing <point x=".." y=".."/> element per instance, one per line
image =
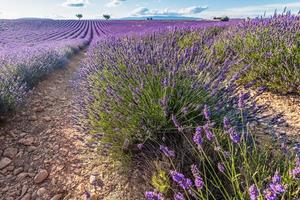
<point x="47" y="119"/>
<point x="10" y="152"/>
<point x="93" y="179"/>
<point x="33" y="118"/>
<point x="23" y="175"/>
<point x="5" y="189"/>
<point x="57" y="197"/>
<point x="41" y="176"/>
<point x="4" y="162"/>
<point x="31" y="148"/>
<point x="10" y="168"/>
<point x="18" y="171"/>
<point x="41" y="192"/>
<point x="26" y="197"/>
<point x="27" y="141"/>
<point x="39" y="109"/>
<point x="24" y="189"/>
<point x="94" y="196"/>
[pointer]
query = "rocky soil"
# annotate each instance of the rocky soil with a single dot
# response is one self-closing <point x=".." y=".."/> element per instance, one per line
<point x="282" y="120"/>
<point x="43" y="156"/>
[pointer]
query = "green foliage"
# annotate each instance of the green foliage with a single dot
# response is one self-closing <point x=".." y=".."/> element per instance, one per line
<point x="79" y="16"/>
<point x="272" y="59"/>
<point x="160" y="181"/>
<point x="107" y="17"/>
<point x="225" y="19"/>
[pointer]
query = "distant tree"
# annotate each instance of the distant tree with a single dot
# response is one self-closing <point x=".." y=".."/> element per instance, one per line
<point x="79" y="16"/>
<point x="107" y="17"/>
<point x="225" y="19"/>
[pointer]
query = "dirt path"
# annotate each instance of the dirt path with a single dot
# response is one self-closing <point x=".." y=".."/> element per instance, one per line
<point x="42" y="156"/>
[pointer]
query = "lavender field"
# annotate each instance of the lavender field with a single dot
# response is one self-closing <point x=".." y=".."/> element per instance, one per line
<point x="150" y="109"/>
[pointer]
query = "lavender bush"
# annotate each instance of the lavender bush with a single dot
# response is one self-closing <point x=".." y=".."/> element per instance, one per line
<point x="229" y="166"/>
<point x="144" y="89"/>
<point x="270" y="50"/>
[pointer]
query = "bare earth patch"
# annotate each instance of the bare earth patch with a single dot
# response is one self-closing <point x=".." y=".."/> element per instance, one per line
<point x="285" y="121"/>
<point x="42" y="155"/>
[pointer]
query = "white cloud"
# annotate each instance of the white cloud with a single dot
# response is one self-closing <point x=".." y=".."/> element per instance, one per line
<point x="114" y="3"/>
<point x="142" y="11"/>
<point x="75" y="3"/>
<point x="252" y="11"/>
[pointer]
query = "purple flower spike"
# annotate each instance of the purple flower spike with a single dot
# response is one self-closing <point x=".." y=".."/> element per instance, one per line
<point x="295" y="172"/>
<point x="209" y="134"/>
<point x="206" y="112"/>
<point x="179" y="196"/>
<point x="234" y="136"/>
<point x="176" y="123"/>
<point x="221" y="167"/>
<point x="269" y="194"/>
<point x="226" y="123"/>
<point x="277" y="188"/>
<point x="241" y="103"/>
<point x="253" y="192"/>
<point x="169" y="153"/>
<point x="184" y="183"/>
<point x="198" y="137"/>
<point x="150" y="195"/>
<point x="276" y="178"/>
<point x="140" y="146"/>
<point x="198" y="180"/>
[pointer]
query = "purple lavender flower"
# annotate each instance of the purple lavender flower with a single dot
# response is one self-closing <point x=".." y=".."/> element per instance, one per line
<point x="185" y="110"/>
<point x="226" y="123"/>
<point x="295" y="172"/>
<point x="209" y="134"/>
<point x="270" y="194"/>
<point x="150" y="195"/>
<point x="221" y="167"/>
<point x="197" y="136"/>
<point x="253" y="192"/>
<point x="206" y="112"/>
<point x="198" y="179"/>
<point x="140" y="146"/>
<point x="165" y="82"/>
<point x="87" y="194"/>
<point x="179" y="196"/>
<point x="277" y="188"/>
<point x="234" y="136"/>
<point x="184" y="183"/>
<point x="226" y="154"/>
<point x="177" y="125"/>
<point x="276" y="178"/>
<point x="298" y="162"/>
<point x="241" y="103"/>
<point x="160" y="196"/>
<point x="153" y="195"/>
<point x="169" y="153"/>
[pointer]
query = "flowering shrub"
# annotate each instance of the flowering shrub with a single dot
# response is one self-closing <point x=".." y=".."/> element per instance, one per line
<point x="137" y="90"/>
<point x="231" y="165"/>
<point x="22" y="70"/>
<point x="270" y="50"/>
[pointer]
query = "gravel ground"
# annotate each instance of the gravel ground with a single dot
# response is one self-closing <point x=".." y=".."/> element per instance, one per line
<point x="43" y="156"/>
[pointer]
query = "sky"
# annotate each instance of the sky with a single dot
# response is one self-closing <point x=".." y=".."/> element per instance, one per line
<point x="94" y="9"/>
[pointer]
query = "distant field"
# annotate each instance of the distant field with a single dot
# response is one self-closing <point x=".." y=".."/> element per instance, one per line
<point x="31" y="48"/>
